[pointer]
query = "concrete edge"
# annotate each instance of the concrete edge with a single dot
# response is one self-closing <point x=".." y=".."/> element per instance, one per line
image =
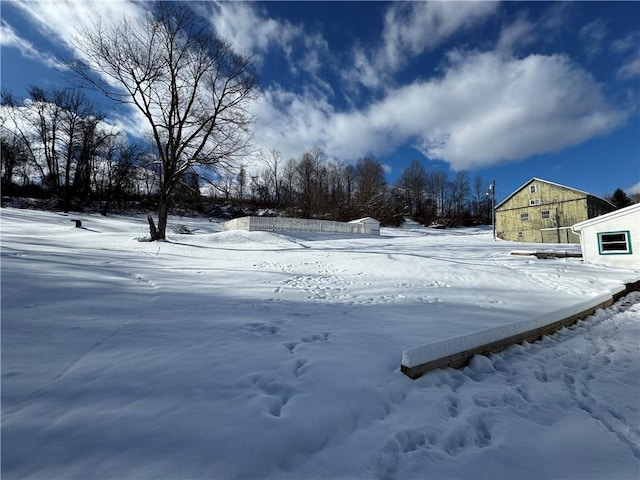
<point x="462" y="358"/>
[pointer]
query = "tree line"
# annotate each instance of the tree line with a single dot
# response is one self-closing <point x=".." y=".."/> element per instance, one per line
<point x="315" y="186"/>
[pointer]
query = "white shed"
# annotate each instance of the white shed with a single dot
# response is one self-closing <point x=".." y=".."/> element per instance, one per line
<point x="612" y="239"/>
<point x="370" y="225"/>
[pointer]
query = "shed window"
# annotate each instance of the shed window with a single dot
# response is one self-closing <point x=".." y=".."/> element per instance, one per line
<point x="532" y="189"/>
<point x="524" y="217"/>
<point x="546" y="214"/>
<point x="614" y="243"/>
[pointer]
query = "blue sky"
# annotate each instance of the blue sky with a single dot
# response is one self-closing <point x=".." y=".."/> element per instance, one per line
<point x="505" y="91"/>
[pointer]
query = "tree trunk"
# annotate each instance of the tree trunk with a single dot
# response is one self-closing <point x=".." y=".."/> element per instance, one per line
<point x="162" y="217"/>
<point x="153" y="232"/>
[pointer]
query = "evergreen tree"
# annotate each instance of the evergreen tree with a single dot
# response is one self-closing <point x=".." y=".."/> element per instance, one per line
<point x="620" y="199"/>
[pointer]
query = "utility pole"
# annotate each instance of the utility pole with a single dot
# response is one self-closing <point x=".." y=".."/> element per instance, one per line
<point x="492" y="192"/>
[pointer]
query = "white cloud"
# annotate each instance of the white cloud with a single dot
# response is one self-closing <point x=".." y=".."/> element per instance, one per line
<point x="520" y="32"/>
<point x="248" y="30"/>
<point x="634" y="189"/>
<point x="419" y="26"/>
<point x="411" y="28"/>
<point x="64" y="18"/>
<point x="485" y="109"/>
<point x="9" y="38"/>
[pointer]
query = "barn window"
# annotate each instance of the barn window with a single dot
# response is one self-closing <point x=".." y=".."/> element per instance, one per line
<point x="546" y="214"/>
<point x="612" y="243"/>
<point x="524" y="217"/>
<point x="532" y="189"/>
<point x="534" y="201"/>
<point x="520" y="234"/>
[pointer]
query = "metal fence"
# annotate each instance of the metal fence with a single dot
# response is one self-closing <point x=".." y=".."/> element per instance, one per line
<point x="285" y="224"/>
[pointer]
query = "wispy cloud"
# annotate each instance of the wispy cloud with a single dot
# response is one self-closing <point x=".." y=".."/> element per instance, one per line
<point x="9" y="38"/>
<point x="247" y="27"/>
<point x="628" y="47"/>
<point x="593" y="35"/>
<point x="411" y="28"/>
<point x="521" y="32"/>
<point x="64" y="19"/>
<point x="251" y="31"/>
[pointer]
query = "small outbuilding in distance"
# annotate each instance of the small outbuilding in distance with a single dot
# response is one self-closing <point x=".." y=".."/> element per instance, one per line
<point x="612" y="239"/>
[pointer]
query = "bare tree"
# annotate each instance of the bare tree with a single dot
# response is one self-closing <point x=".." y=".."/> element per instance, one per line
<point x="308" y="177"/>
<point x="371" y="186"/>
<point x="460" y="190"/>
<point x="288" y="193"/>
<point x="242" y="181"/>
<point x="437" y="183"/>
<point x="482" y="200"/>
<point x="189" y="85"/>
<point x="271" y="174"/>
<point x="14" y="157"/>
<point x="36" y="122"/>
<point x="62" y="133"/>
<point x="413" y="182"/>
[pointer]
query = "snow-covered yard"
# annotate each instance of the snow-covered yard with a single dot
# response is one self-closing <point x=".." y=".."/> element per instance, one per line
<point x="262" y="355"/>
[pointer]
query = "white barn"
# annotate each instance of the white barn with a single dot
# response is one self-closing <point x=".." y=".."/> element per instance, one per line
<point x="612" y="239"/>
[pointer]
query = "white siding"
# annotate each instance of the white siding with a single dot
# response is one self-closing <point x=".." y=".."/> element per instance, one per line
<point x="623" y="220"/>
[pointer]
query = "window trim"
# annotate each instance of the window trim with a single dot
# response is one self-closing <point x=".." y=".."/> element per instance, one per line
<point x="547" y="212"/>
<point x="534" y="201"/>
<point x="524" y="217"/>
<point x="627" y="235"/>
<point x="533" y="188"/>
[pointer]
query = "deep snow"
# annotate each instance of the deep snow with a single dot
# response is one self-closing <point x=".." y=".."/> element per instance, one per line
<point x="263" y="355"/>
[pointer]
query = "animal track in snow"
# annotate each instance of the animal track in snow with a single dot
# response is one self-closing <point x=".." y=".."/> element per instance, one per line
<point x="299" y="367"/>
<point x="316" y="337"/>
<point x="262" y="328"/>
<point x="140" y="279"/>
<point x="272" y="394"/>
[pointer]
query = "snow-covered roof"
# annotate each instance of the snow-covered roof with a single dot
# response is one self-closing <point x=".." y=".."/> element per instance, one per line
<point x="365" y="220"/>
<point x="630" y="210"/>
<point x="536" y="179"/>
